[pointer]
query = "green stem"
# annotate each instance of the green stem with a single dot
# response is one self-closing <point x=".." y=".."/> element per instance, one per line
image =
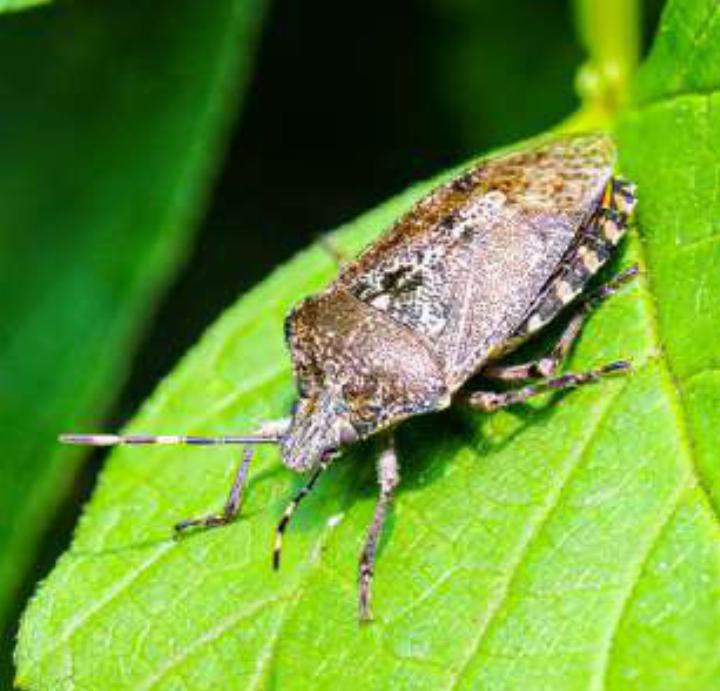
<point x="610" y="32"/>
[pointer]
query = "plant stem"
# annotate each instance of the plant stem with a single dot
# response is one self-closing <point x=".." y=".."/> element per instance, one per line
<point x="610" y="32"/>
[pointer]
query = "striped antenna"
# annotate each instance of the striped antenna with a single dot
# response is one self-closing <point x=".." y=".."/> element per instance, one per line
<point x="290" y="510"/>
<point x="149" y="439"/>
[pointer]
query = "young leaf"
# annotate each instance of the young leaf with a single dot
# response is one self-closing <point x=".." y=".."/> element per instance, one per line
<point x="111" y="123"/>
<point x="572" y="544"/>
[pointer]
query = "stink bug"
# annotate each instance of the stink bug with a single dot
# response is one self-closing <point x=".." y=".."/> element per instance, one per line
<point x="469" y="273"/>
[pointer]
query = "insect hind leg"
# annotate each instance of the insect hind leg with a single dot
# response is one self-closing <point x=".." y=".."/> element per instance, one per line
<point x="547" y="366"/>
<point x="489" y="401"/>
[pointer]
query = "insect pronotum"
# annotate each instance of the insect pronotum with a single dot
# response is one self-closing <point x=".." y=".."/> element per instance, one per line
<point x="473" y="270"/>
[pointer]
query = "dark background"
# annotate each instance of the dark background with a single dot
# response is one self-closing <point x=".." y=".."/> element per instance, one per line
<point x="349" y="104"/>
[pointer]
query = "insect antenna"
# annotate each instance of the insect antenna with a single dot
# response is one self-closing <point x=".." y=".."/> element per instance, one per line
<point x="290" y="510"/>
<point x="165" y="439"/>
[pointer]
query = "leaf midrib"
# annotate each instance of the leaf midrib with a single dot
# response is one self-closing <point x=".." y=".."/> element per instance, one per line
<point x="675" y="397"/>
<point x="673" y="392"/>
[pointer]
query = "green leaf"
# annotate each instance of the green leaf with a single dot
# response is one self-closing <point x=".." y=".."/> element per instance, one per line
<point x="669" y="633"/>
<point x="111" y="125"/>
<point x="15" y="5"/>
<point x="570" y="544"/>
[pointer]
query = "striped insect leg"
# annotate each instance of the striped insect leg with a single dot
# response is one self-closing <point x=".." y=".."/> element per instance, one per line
<point x="489" y="401"/>
<point x="232" y="505"/>
<point x="547" y="366"/>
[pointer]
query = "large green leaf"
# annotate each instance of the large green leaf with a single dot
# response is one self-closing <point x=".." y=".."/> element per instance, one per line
<point x="110" y="127"/>
<point x="571" y="544"/>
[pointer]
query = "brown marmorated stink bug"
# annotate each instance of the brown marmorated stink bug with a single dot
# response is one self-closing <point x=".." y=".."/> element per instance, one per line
<point x="470" y="272"/>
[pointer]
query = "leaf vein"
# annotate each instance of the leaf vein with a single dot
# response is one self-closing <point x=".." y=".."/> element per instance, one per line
<point x="674" y="387"/>
<point x="686" y="441"/>
<point x="208" y="637"/>
<point x="623" y="606"/>
<point x="535" y="529"/>
<point x="680" y="95"/>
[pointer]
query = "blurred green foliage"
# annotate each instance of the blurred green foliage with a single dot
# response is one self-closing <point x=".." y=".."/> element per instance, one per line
<point x="112" y="123"/>
<point x="15" y="5"/>
<point x="519" y="57"/>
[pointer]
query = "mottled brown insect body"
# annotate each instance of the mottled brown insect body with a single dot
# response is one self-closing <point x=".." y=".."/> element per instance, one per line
<point x="454" y="283"/>
<point x="469" y="273"/>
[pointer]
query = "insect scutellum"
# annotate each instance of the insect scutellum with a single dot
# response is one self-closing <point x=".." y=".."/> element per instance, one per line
<point x="473" y="270"/>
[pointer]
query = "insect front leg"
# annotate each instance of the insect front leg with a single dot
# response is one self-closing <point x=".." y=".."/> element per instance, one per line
<point x="488" y="401"/>
<point x="272" y="429"/>
<point x="547" y="366"/>
<point x="388" y="471"/>
<point x="232" y="504"/>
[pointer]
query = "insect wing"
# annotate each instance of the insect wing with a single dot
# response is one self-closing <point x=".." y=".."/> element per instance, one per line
<point x="464" y="265"/>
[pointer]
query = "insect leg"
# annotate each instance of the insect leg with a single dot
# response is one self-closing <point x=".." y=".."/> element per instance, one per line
<point x="547" y="366"/>
<point x="488" y="401"/>
<point x="270" y="432"/>
<point x="232" y="505"/>
<point x="333" y="251"/>
<point x="389" y="478"/>
<point x="290" y="510"/>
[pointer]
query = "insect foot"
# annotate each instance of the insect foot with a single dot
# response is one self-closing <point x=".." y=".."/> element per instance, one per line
<point x="233" y="503"/>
